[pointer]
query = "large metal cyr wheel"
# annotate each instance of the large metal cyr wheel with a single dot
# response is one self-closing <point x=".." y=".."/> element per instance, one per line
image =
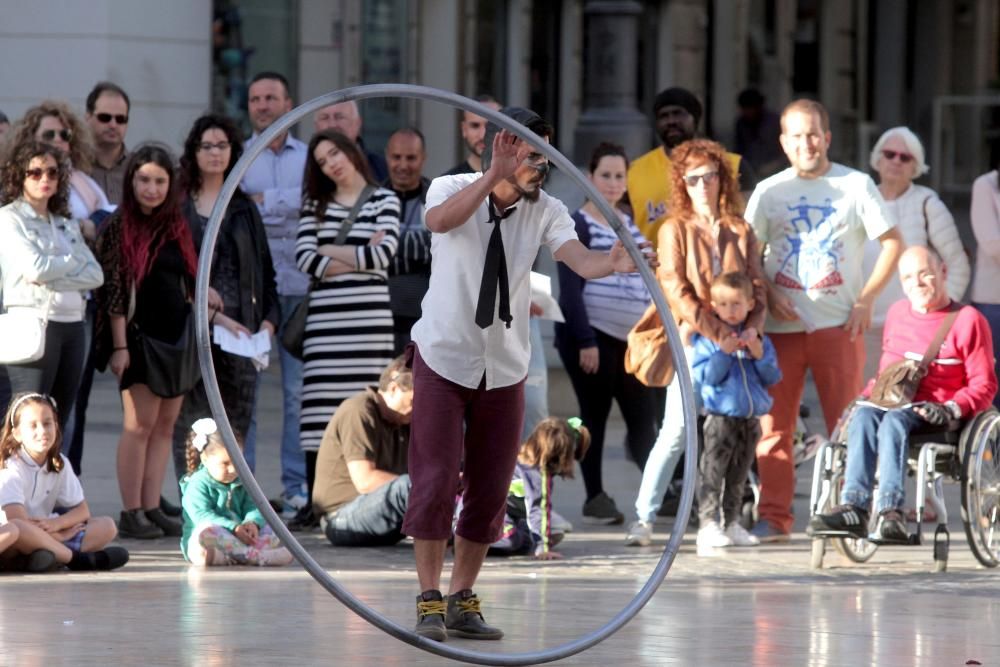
<point x="218" y="411"/>
<point x="981" y="486"/>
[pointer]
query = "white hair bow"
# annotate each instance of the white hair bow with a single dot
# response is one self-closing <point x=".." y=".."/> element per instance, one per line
<point x="202" y="429"/>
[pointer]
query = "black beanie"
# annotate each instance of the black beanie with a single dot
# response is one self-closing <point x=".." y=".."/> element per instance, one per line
<point x="678" y="97"/>
<point x="525" y="117"/>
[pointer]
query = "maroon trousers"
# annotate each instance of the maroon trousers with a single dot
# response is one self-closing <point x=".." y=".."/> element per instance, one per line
<point x="449" y="420"/>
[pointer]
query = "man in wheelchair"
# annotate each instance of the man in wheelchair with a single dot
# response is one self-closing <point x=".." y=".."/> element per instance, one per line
<point x="960" y="382"/>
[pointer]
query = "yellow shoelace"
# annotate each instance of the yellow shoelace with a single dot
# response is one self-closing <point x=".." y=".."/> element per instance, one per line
<point x="432" y="607"/>
<point x="470" y="605"/>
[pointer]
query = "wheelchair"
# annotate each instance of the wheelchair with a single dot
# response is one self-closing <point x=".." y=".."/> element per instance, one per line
<point x="965" y="451"/>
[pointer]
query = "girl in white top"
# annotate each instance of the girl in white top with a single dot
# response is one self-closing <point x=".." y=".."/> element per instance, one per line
<point x="42" y="496"/>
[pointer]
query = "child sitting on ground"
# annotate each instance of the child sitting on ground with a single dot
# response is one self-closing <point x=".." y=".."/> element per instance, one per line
<point x="222" y="526"/>
<point x="733" y="375"/>
<point x="42" y="497"/>
<point x="550" y="450"/>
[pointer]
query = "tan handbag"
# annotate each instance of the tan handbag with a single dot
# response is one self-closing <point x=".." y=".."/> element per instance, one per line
<point x="648" y="354"/>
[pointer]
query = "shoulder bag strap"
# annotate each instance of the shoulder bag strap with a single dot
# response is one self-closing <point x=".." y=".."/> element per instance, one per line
<point x="345" y="226"/>
<point x="935" y="345"/>
<point x="927" y="223"/>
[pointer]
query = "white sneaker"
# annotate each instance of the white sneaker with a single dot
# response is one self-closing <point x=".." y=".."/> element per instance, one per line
<point x="739" y="536"/>
<point x="711" y="536"/>
<point x="560" y="524"/>
<point x="640" y="534"/>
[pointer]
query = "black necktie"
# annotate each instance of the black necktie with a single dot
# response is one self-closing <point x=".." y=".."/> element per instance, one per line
<point x="494" y="274"/>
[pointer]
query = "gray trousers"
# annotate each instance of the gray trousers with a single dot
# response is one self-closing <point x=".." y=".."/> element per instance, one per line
<point x="726" y="457"/>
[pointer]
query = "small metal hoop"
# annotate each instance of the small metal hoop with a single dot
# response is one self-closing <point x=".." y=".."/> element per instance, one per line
<point x="225" y="428"/>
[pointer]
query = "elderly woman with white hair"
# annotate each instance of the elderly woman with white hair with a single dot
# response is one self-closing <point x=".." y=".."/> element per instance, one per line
<point x="922" y="219"/>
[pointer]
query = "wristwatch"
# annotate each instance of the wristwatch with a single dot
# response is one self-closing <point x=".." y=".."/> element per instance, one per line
<point x="954" y="409"/>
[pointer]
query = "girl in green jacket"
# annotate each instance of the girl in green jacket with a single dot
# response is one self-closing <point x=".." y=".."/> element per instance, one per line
<point x="222" y="526"/>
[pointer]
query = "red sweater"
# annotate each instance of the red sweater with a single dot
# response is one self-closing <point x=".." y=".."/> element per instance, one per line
<point x="963" y="370"/>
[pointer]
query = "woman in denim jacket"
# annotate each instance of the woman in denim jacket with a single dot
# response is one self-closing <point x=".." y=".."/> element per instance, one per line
<point x="46" y="267"/>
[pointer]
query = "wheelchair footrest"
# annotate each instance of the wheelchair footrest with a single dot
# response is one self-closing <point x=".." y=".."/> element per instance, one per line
<point x="829" y="534"/>
<point x="912" y="541"/>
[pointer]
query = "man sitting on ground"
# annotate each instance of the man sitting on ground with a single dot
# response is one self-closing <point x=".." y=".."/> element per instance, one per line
<point x="361" y="487"/>
<point x="959" y="383"/>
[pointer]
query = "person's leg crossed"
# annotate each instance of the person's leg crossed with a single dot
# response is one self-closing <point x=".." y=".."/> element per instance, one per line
<point x="372" y="519"/>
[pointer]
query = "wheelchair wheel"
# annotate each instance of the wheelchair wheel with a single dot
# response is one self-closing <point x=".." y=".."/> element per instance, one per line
<point x="981" y="487"/>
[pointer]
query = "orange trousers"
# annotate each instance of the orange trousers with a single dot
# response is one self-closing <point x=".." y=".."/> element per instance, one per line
<point x="837" y="365"/>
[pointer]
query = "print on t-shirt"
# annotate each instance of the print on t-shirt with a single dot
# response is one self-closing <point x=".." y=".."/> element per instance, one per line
<point x="809" y="259"/>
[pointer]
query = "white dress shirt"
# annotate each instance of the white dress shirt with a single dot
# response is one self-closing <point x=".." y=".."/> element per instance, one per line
<point x="449" y="340"/>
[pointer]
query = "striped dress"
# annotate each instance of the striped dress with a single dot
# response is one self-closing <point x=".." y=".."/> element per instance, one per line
<point x="348" y="337"/>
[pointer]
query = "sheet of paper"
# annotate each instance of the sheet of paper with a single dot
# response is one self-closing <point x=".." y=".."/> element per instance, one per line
<point x="256" y="347"/>
<point x="541" y="296"/>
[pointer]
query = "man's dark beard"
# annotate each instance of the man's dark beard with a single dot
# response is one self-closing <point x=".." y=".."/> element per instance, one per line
<point x="531" y="196"/>
<point x="671" y="143"/>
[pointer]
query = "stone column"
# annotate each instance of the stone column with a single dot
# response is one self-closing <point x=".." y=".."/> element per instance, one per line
<point x="610" y="110"/>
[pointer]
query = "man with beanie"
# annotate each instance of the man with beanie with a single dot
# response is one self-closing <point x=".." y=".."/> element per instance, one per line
<point x="470" y="356"/>
<point x="677" y="113"/>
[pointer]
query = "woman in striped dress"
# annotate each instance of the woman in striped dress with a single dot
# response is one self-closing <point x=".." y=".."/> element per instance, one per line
<point x="599" y="314"/>
<point x="349" y="336"/>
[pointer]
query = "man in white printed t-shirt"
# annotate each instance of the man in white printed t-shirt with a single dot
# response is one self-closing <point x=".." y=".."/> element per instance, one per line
<point x="812" y="221"/>
<point x="470" y="358"/>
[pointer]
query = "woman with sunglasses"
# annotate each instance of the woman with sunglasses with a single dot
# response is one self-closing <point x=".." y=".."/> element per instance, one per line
<point x="46" y="268"/>
<point x="150" y="263"/>
<point x="242" y="273"/>
<point x="705" y="236"/>
<point x="599" y="314"/>
<point x="349" y="334"/>
<point x="53" y="122"/>
<point x="921" y="217"/>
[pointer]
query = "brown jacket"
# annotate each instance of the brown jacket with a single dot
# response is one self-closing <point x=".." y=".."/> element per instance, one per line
<point x="685" y="273"/>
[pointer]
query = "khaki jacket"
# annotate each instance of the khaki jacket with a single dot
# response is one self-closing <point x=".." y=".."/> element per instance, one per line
<point x="685" y="272"/>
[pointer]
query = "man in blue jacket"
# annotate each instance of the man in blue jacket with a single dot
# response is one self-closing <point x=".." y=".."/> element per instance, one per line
<point x="733" y="374"/>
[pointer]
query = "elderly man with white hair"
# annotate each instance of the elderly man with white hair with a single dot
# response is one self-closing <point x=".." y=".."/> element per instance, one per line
<point x="920" y="216"/>
<point x="346" y="119"/>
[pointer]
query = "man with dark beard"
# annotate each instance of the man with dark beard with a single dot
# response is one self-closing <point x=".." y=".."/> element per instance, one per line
<point x="676" y="112"/>
<point x="470" y="358"/>
<point x="473" y="129"/>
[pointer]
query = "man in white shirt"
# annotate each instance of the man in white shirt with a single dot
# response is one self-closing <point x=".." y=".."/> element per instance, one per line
<point x="469" y="368"/>
<point x="812" y="221"/>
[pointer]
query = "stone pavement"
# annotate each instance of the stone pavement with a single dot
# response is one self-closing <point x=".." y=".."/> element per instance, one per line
<point x="759" y="606"/>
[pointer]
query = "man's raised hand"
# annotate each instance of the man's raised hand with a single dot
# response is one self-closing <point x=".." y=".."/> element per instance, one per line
<point x="508" y="152"/>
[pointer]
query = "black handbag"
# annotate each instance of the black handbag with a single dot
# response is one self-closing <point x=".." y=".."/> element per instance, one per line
<point x="294" y="334"/>
<point x="171" y="368"/>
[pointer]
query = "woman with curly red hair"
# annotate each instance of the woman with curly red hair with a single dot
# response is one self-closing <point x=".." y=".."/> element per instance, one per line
<point x="149" y="262"/>
<point x="704" y="236"/>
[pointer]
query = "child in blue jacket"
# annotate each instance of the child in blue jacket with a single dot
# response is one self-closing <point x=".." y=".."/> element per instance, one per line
<point x="733" y="374"/>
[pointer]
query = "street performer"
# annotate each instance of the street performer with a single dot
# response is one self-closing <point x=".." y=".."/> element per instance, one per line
<point x="470" y="358"/>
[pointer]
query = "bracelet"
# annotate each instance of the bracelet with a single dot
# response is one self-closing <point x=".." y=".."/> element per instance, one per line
<point x="214" y="315"/>
<point x="120" y="348"/>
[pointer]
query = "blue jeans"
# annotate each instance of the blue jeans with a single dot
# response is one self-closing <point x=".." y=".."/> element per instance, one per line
<point x="991" y="311"/>
<point x="881" y="434"/>
<point x="667" y="449"/>
<point x="371" y="520"/>
<point x="536" y="386"/>
<point x="293" y="461"/>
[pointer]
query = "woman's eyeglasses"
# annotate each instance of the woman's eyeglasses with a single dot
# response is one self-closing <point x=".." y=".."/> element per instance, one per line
<point x="50" y="135"/>
<point x="37" y="173"/>
<point x="905" y="158"/>
<point x="120" y="118"/>
<point x="207" y="147"/>
<point x="707" y="178"/>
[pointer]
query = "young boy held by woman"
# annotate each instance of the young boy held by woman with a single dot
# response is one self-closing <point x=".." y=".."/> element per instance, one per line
<point x="734" y="374"/>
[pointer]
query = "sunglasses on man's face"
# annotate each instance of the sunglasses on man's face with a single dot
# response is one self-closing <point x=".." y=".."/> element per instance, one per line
<point x="905" y="158"/>
<point x="37" y="173"/>
<point x="120" y="118"/>
<point x="50" y="135"/>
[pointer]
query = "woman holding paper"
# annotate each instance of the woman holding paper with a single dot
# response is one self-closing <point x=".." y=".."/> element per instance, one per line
<point x="599" y="314"/>
<point x="242" y="274"/>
